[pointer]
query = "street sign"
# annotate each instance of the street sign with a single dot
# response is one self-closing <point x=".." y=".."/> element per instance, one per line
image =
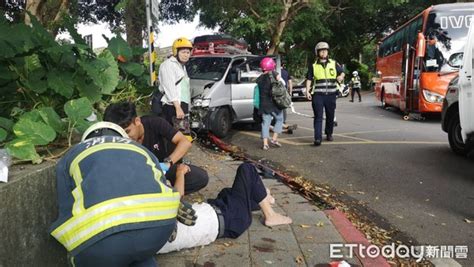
<point x="88" y="39"/>
<point x="155" y="13"/>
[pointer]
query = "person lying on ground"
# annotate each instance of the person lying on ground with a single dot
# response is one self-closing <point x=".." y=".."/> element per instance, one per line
<point x="230" y="214"/>
<point x="157" y="135"/>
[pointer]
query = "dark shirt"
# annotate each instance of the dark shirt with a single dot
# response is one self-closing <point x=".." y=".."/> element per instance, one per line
<point x="310" y="74"/>
<point x="285" y="76"/>
<point x="267" y="106"/>
<point x="158" y="136"/>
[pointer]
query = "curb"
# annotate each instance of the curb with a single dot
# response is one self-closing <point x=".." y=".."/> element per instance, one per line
<point x="353" y="236"/>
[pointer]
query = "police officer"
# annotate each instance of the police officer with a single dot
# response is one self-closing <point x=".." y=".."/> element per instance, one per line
<point x="323" y="74"/>
<point x="355" y="86"/>
<point x="114" y="206"/>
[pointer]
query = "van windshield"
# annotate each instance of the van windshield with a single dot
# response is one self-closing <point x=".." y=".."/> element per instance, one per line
<point x="446" y="33"/>
<point x="207" y="68"/>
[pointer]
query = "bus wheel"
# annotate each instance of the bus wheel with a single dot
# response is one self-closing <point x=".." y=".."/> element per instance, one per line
<point x="454" y="136"/>
<point x="382" y="100"/>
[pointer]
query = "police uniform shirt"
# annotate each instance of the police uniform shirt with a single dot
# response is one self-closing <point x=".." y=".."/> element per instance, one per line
<point x="310" y="74"/>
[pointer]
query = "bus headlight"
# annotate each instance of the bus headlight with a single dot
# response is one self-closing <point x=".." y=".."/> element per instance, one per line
<point x="432" y="97"/>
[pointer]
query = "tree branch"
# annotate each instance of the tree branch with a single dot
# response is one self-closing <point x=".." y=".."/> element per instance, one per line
<point x="253" y="10"/>
<point x="62" y="10"/>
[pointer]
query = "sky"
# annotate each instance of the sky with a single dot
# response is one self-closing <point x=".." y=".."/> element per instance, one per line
<point x="165" y="38"/>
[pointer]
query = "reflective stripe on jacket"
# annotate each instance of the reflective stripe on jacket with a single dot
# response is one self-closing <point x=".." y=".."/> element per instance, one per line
<point x="325" y="78"/>
<point x="108" y="185"/>
<point x="355" y="82"/>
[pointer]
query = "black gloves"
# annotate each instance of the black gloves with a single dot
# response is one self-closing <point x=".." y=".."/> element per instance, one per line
<point x="186" y="214"/>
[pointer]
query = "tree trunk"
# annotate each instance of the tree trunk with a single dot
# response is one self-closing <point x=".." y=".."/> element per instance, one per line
<point x="49" y="13"/>
<point x="34" y="7"/>
<point x="135" y="21"/>
<point x="282" y="21"/>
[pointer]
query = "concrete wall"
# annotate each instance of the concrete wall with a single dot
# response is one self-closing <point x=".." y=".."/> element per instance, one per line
<point x="27" y="209"/>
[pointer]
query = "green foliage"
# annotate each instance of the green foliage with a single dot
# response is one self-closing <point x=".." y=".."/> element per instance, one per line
<point x="3" y="134"/>
<point x="119" y="47"/>
<point x="78" y="109"/>
<point x="49" y="89"/>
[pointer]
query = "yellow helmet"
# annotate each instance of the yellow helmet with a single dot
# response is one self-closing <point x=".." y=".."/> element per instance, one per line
<point x="181" y="42"/>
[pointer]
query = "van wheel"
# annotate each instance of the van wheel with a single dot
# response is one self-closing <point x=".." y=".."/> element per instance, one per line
<point x="221" y="123"/>
<point x="455" y="137"/>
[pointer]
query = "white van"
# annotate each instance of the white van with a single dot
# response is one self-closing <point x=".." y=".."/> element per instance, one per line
<point x="458" y="106"/>
<point x="223" y="77"/>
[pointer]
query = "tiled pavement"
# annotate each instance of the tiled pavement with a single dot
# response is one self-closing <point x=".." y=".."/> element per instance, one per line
<point x="303" y="243"/>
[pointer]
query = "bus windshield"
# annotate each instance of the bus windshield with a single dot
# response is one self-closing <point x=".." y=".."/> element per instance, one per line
<point x="446" y="34"/>
<point x="207" y="68"/>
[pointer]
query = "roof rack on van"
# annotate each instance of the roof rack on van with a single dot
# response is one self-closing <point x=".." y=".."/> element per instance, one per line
<point x="219" y="44"/>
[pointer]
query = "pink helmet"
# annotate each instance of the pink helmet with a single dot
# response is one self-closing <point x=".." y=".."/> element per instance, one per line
<point x="267" y="64"/>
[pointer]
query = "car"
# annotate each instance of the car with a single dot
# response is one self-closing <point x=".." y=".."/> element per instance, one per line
<point x="299" y="90"/>
<point x="458" y="105"/>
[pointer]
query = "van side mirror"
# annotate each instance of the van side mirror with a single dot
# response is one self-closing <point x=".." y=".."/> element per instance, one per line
<point x="420" y="45"/>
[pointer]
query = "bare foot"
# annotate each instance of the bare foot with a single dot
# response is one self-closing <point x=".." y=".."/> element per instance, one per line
<point x="271" y="199"/>
<point x="277" y="219"/>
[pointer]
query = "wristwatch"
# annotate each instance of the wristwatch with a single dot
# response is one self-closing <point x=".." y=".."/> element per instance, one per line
<point x="168" y="160"/>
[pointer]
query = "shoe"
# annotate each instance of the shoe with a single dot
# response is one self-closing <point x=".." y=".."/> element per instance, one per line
<point x="329" y="138"/>
<point x="351" y="100"/>
<point x="265" y="147"/>
<point x="275" y="143"/>
<point x="289" y="131"/>
<point x="317" y="143"/>
<point x="292" y="127"/>
<point x="360" y="100"/>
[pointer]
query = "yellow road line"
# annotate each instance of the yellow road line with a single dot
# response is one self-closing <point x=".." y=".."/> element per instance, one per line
<point x="298" y="137"/>
<point x="355" y="138"/>
<point x="350" y="133"/>
<point x="362" y="142"/>
<point x="375" y="131"/>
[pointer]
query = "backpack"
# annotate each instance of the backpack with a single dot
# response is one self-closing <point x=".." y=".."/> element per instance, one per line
<point x="280" y="95"/>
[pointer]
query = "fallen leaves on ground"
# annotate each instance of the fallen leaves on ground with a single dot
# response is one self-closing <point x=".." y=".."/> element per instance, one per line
<point x="320" y="224"/>
<point x="467" y="220"/>
<point x="305" y="226"/>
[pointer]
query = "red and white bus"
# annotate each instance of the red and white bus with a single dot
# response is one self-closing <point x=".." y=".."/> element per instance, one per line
<point x="417" y="61"/>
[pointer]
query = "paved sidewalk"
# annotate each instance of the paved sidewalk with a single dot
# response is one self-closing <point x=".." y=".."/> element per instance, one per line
<point x="303" y="243"/>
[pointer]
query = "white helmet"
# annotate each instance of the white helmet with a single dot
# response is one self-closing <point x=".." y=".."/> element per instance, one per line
<point x="320" y="46"/>
<point x="103" y="128"/>
<point x="355" y="73"/>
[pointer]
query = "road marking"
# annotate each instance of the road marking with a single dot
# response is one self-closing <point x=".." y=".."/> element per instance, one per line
<point x="355" y="138"/>
<point x="375" y="131"/>
<point x="362" y="142"/>
<point x="298" y="137"/>
<point x="312" y="136"/>
<point x="350" y="133"/>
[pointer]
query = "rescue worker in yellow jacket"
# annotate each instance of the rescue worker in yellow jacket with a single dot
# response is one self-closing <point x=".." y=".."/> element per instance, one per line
<point x="322" y="74"/>
<point x="114" y="206"/>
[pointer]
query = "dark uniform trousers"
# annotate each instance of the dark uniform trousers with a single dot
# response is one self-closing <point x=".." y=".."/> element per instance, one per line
<point x="326" y="102"/>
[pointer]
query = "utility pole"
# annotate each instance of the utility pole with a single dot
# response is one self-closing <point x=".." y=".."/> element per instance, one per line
<point x="151" y="38"/>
